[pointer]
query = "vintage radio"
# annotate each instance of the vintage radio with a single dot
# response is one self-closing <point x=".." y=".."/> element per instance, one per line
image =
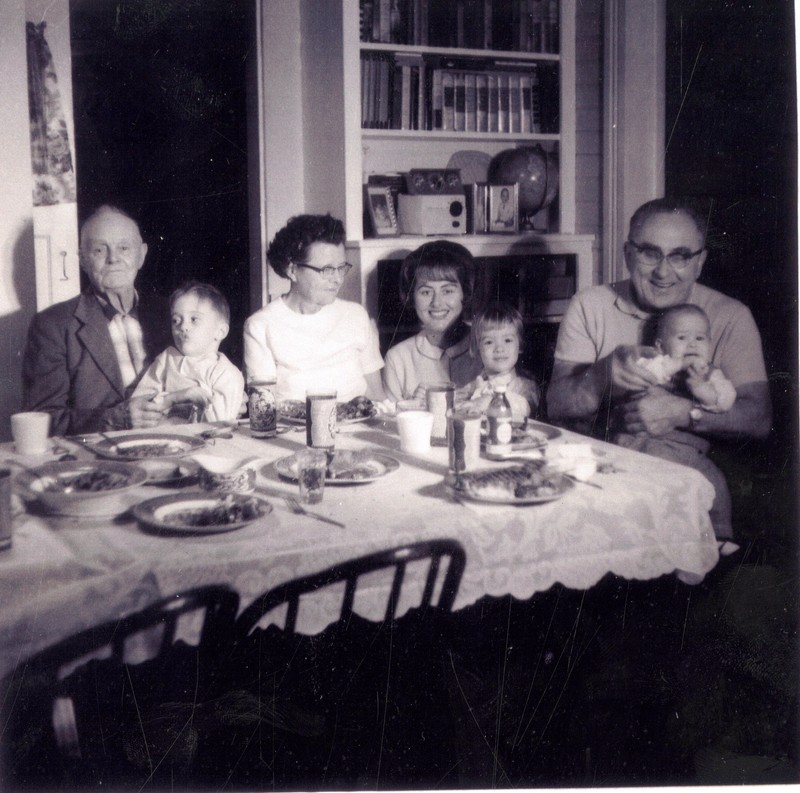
<point x="432" y="214"/>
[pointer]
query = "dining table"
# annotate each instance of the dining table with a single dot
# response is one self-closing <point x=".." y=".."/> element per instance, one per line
<point x="638" y="517"/>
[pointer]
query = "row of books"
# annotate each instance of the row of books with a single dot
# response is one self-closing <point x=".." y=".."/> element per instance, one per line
<point x="405" y="92"/>
<point x="522" y="25"/>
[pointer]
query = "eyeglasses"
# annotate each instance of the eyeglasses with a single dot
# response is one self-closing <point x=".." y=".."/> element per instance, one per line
<point x="329" y="271"/>
<point x="651" y="256"/>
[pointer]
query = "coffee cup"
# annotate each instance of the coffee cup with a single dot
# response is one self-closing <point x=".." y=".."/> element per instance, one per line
<point x="30" y="431"/>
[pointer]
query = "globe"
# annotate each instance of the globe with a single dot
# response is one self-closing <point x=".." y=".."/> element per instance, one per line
<point x="536" y="173"/>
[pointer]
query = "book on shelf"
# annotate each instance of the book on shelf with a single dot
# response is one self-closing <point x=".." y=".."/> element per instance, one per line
<point x="551" y="43"/>
<point x="460" y="101"/>
<point x="470" y="102"/>
<point x="514" y="103"/>
<point x="494" y="102"/>
<point x="523" y="25"/>
<point x="503" y="106"/>
<point x="482" y="95"/>
<point x="448" y="101"/>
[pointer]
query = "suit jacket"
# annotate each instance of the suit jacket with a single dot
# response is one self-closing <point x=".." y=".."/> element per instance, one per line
<point x="70" y="369"/>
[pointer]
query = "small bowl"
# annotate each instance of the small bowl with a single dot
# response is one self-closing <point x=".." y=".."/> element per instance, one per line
<point x="63" y="487"/>
<point x="219" y="475"/>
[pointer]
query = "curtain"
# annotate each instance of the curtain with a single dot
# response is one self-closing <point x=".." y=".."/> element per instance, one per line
<point x="53" y="174"/>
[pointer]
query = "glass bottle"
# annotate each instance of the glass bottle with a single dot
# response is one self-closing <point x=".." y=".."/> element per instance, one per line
<point x="498" y="415"/>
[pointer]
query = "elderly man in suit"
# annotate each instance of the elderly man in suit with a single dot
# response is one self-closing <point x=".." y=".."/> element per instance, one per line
<point x="84" y="356"/>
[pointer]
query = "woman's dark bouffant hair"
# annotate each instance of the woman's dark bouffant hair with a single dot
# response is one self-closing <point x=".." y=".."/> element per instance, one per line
<point x="292" y="242"/>
<point x="440" y="260"/>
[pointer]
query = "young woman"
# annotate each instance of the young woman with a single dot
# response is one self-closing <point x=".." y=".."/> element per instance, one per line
<point x="439" y="278"/>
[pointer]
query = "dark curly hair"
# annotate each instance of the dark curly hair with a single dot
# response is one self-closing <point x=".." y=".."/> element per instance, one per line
<point x="292" y="242"/>
<point x="205" y="292"/>
<point x="439" y="260"/>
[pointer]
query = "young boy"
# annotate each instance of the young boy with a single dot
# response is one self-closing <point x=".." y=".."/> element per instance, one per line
<point x="194" y="371"/>
<point x="684" y="346"/>
<point x="496" y="337"/>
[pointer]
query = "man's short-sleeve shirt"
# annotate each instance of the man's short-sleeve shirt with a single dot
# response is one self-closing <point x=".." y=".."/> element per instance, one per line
<point x="601" y="318"/>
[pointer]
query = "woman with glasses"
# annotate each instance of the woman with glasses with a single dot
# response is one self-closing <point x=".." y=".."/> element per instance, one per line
<point x="437" y="278"/>
<point x="309" y="339"/>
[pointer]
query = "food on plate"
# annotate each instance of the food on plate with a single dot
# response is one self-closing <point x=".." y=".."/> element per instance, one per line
<point x="228" y="510"/>
<point x="148" y="449"/>
<point x="92" y="481"/>
<point x="527" y="480"/>
<point x="346" y="464"/>
<point x="355" y="409"/>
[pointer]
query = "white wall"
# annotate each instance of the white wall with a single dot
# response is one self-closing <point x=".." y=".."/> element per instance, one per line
<point x="17" y="281"/>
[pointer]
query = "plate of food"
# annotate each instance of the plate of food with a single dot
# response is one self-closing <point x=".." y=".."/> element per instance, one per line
<point x="146" y="445"/>
<point x="528" y="435"/>
<point x="169" y="472"/>
<point x="200" y="513"/>
<point x="345" y="467"/>
<point x="358" y="409"/>
<point x="81" y="488"/>
<point x="531" y="482"/>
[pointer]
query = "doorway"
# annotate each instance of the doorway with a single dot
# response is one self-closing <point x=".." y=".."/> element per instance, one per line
<point x="161" y="130"/>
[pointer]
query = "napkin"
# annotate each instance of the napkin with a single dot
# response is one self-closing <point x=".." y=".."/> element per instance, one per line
<point x="575" y="459"/>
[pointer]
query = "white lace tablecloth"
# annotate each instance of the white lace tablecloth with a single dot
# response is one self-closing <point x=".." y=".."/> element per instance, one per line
<point x="648" y="518"/>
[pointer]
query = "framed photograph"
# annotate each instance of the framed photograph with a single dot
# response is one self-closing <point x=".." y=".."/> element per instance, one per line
<point x="504" y="208"/>
<point x="381" y="211"/>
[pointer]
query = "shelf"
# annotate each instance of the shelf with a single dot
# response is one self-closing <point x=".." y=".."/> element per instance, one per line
<point x="503" y="56"/>
<point x="458" y="135"/>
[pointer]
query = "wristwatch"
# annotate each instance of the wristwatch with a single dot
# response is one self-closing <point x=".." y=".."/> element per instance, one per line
<point x="695" y="414"/>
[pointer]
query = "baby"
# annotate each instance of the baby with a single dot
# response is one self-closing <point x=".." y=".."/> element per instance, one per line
<point x="194" y="371"/>
<point x="683" y="342"/>
<point x="496" y="337"/>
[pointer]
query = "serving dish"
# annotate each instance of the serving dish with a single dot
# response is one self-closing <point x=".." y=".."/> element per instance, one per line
<point x="528" y="483"/>
<point x="345" y="467"/>
<point x="200" y="513"/>
<point x="293" y="411"/>
<point x="146" y="445"/>
<point x="81" y="488"/>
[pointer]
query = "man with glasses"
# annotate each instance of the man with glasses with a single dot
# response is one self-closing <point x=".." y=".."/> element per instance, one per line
<point x="604" y="330"/>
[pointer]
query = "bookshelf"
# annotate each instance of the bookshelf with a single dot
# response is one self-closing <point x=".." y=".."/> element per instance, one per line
<point x="342" y="150"/>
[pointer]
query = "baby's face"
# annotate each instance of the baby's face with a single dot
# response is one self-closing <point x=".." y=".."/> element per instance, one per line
<point x="499" y="349"/>
<point x="197" y="328"/>
<point x="686" y="336"/>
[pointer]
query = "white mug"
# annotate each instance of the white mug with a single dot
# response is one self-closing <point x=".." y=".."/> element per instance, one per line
<point x="30" y="431"/>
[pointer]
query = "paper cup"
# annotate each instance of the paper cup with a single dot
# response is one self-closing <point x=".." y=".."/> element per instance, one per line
<point x="415" y="428"/>
<point x="30" y="431"/>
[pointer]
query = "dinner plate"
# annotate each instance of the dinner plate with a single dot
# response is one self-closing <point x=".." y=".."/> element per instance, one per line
<point x="146" y="445"/>
<point x="368" y="466"/>
<point x="564" y="485"/>
<point x="530" y="435"/>
<point x="293" y="411"/>
<point x="178" y="514"/>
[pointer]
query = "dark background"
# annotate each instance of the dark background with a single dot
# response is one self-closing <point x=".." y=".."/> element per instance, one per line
<point x="161" y="131"/>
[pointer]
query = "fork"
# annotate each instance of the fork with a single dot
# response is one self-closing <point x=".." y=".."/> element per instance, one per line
<point x="298" y="509"/>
